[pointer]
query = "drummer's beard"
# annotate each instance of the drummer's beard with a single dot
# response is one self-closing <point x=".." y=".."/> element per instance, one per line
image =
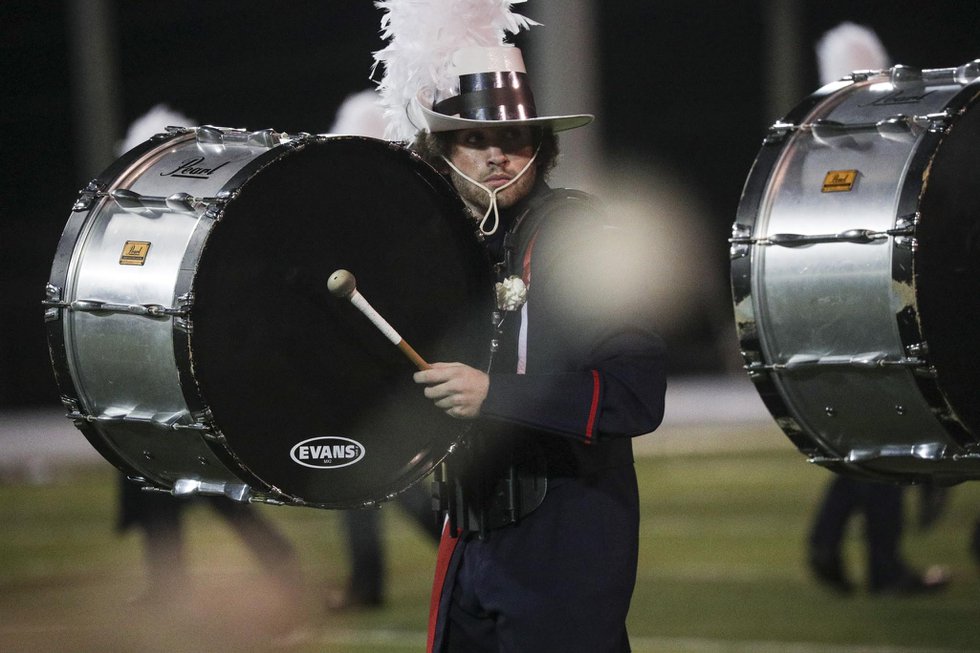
<point x="478" y="199"/>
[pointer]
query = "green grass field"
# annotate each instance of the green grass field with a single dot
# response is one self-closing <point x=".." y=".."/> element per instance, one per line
<point x="721" y="570"/>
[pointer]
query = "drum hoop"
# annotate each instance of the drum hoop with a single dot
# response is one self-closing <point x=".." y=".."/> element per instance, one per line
<point x="904" y="264"/>
<point x="194" y="397"/>
<point x="181" y="337"/>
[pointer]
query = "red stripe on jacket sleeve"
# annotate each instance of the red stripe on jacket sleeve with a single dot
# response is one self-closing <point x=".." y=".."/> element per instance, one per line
<point x="594" y="409"/>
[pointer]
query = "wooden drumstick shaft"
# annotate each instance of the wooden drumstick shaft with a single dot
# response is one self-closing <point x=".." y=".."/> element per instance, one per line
<point x="342" y="284"/>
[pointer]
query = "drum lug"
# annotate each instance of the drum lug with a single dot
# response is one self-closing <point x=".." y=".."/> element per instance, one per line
<point x="208" y="135"/>
<point x="151" y="206"/>
<point x="167" y="421"/>
<point x="235" y="491"/>
<point x="921" y="451"/>
<point x="934" y="451"/>
<point x="900" y="129"/>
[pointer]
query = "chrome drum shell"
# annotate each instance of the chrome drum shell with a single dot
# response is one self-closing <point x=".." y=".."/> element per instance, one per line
<point x="855" y="271"/>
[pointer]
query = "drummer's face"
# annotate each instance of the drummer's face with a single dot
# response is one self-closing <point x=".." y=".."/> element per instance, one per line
<point x="493" y="156"/>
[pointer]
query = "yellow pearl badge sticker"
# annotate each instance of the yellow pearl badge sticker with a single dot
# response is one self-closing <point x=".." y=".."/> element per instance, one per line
<point x="134" y="252"/>
<point x="839" y="181"/>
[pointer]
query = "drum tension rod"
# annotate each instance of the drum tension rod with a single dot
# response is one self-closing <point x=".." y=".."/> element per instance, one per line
<point x="97" y="306"/>
<point x="869" y="360"/>
<point x="859" y="236"/>
<point x="899" y="127"/>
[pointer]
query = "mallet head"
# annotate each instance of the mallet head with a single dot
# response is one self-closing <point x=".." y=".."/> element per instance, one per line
<point x="341" y="284"/>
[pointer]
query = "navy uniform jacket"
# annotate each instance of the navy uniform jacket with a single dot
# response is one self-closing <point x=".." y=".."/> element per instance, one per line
<point x="594" y="372"/>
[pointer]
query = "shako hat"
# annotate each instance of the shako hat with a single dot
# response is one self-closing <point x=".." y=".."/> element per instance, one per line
<point x="492" y="90"/>
<point x="446" y="67"/>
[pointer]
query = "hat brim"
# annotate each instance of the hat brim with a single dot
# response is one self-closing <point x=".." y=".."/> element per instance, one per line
<point x="440" y="122"/>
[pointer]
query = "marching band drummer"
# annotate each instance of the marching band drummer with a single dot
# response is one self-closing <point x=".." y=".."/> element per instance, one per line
<point x="540" y="548"/>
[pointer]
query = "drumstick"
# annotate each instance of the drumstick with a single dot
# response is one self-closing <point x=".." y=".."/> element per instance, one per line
<point x="343" y="285"/>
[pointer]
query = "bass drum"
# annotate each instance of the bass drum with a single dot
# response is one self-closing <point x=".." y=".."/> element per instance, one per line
<point x="856" y="270"/>
<point x="194" y="338"/>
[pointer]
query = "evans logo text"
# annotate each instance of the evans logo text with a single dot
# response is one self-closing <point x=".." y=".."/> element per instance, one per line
<point x="327" y="452"/>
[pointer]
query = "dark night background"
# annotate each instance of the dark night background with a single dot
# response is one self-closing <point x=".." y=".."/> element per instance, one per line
<point x="680" y="81"/>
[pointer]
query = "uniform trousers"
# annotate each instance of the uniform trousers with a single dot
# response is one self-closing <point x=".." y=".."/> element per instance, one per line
<point x="560" y="580"/>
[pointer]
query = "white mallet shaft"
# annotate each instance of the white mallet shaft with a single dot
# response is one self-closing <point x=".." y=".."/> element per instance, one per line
<point x="343" y="285"/>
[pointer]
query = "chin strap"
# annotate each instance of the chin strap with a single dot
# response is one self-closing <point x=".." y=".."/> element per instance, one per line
<point x="492" y="208"/>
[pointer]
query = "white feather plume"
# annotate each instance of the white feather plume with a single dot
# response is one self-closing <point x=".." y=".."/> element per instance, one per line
<point x="422" y="35"/>
<point x="360" y="114"/>
<point x="151" y="123"/>
<point x="849" y="47"/>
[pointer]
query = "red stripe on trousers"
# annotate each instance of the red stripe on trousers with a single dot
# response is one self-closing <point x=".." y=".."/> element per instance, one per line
<point x="447" y="544"/>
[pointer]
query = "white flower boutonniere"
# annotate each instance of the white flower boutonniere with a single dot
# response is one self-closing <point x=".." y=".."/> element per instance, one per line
<point x="511" y="293"/>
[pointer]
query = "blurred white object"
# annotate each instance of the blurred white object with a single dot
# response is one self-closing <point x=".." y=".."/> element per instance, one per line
<point x="849" y="47"/>
<point x="150" y="123"/>
<point x="361" y="114"/>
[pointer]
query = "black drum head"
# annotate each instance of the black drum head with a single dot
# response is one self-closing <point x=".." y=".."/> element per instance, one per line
<point x="315" y="405"/>
<point x="947" y="267"/>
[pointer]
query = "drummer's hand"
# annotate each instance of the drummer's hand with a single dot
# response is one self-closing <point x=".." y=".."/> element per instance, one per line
<point x="456" y="388"/>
